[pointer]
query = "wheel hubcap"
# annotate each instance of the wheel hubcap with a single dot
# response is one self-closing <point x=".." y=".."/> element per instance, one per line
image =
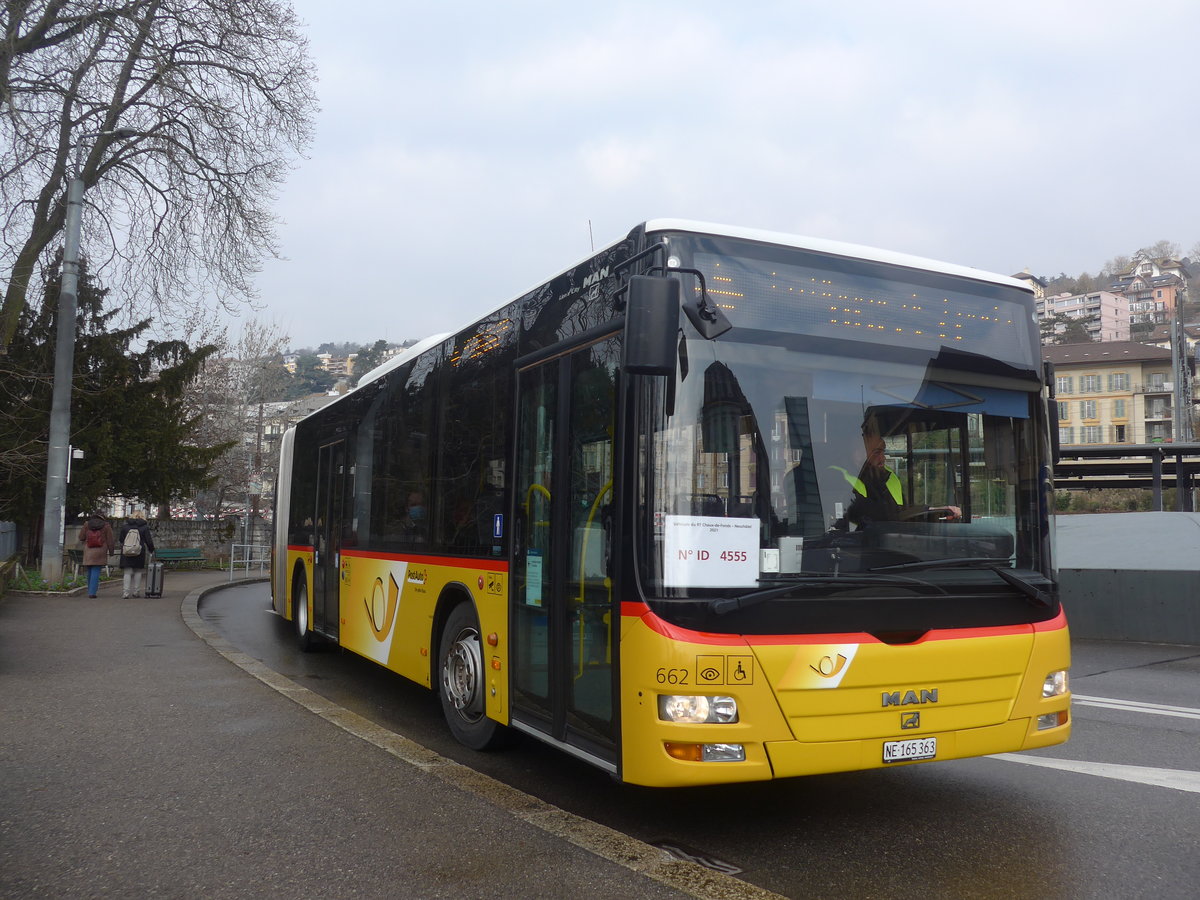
<point x="462" y="675"/>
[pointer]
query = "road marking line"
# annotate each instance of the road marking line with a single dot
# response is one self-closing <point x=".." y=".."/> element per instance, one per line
<point x="1177" y="779"/>
<point x="1154" y="709"/>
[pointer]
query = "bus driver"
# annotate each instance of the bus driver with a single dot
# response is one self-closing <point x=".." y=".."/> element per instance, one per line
<point x="877" y="494"/>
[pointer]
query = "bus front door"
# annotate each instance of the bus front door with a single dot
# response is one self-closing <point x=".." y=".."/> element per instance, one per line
<point x="563" y="606"/>
<point x="331" y="481"/>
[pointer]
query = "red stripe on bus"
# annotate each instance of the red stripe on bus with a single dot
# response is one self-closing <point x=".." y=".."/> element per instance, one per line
<point x="677" y="633"/>
<point x="491" y="565"/>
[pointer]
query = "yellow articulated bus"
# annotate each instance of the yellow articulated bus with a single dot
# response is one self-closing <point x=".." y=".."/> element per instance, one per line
<point x="713" y="505"/>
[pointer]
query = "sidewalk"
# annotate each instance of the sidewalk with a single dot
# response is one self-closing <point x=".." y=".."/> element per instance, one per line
<point x="136" y="761"/>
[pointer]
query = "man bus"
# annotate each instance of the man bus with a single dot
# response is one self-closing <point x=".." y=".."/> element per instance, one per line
<point x="633" y="540"/>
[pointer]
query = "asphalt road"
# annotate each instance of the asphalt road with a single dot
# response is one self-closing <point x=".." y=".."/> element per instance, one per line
<point x="1113" y="813"/>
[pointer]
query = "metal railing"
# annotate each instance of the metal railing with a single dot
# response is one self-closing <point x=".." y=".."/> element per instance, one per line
<point x="249" y="556"/>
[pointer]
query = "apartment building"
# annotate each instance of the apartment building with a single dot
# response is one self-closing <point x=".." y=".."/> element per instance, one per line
<point x="1154" y="287"/>
<point x="1108" y="313"/>
<point x="1119" y="392"/>
<point x="342" y="366"/>
<point x="1037" y="285"/>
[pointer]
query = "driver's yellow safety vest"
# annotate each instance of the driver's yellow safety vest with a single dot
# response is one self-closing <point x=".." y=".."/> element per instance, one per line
<point x="893" y="484"/>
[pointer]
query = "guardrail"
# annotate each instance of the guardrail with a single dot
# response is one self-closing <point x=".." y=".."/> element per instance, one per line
<point x="249" y="556"/>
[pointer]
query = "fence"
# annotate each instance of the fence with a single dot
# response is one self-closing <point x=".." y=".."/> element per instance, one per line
<point x="249" y="556"/>
<point x="8" y="540"/>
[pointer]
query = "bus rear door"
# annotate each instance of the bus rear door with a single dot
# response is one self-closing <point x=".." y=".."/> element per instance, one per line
<point x="331" y="492"/>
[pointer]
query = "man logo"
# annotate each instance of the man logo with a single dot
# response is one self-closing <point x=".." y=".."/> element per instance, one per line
<point x="910" y="720"/>
<point x="910" y="698"/>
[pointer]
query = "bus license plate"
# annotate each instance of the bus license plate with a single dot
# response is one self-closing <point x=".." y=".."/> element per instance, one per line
<point x="904" y="751"/>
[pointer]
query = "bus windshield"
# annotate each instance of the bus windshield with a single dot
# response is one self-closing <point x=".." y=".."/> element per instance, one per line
<point x="809" y="452"/>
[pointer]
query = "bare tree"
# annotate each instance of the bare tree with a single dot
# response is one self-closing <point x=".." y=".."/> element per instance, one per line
<point x="181" y="117"/>
<point x="1163" y="249"/>
<point x="230" y="398"/>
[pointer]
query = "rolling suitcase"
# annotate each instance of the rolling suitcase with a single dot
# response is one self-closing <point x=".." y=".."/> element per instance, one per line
<point x="154" y="579"/>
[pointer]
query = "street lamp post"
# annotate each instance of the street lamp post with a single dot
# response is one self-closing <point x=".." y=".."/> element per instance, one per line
<point x="57" y="456"/>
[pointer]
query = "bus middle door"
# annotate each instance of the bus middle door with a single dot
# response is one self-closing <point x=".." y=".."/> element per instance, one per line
<point x="563" y="615"/>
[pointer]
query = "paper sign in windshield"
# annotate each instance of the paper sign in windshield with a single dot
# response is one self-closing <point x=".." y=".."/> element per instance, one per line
<point x="704" y="551"/>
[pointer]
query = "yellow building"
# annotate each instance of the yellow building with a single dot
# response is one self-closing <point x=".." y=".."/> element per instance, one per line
<point x="1116" y="392"/>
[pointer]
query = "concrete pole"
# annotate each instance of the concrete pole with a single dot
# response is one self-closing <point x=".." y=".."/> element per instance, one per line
<point x="55" y="510"/>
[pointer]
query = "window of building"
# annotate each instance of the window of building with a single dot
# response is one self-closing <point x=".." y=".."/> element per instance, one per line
<point x="1091" y="434"/>
<point x="1064" y="384"/>
<point x="1064" y="412"/>
<point x="1087" y="409"/>
<point x="1066" y="435"/>
<point x="1119" y="434"/>
<point x="1119" y="409"/>
<point x="1118" y="381"/>
<point x="1089" y="384"/>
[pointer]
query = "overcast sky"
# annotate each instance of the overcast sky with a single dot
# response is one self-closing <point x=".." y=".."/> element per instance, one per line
<point x="463" y="148"/>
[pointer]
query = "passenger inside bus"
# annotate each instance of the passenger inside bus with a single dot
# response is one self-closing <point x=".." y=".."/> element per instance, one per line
<point x="415" y="522"/>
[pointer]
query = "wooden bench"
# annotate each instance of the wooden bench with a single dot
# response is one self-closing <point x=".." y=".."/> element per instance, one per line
<point x="180" y="556"/>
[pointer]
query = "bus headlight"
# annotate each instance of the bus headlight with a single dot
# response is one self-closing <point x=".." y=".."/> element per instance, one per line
<point x="1056" y="684"/>
<point x="697" y="710"/>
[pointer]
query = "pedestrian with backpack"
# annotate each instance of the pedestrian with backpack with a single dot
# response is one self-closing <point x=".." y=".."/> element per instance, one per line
<point x="136" y="543"/>
<point x="96" y="535"/>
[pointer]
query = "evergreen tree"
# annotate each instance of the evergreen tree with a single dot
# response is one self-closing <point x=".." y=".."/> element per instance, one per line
<point x="127" y="413"/>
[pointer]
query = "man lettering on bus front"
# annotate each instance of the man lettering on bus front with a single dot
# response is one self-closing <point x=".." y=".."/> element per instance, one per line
<point x="877" y="493"/>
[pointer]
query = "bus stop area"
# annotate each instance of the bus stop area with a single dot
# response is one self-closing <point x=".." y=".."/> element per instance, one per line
<point x="136" y="760"/>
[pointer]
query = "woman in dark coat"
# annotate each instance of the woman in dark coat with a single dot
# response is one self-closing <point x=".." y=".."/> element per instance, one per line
<point x="97" y="549"/>
<point x="133" y="567"/>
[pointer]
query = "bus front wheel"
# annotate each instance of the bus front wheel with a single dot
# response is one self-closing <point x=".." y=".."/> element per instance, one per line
<point x="462" y="681"/>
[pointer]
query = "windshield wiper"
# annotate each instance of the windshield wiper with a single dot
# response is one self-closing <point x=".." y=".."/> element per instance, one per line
<point x="953" y="562"/>
<point x="997" y="564"/>
<point x="723" y="605"/>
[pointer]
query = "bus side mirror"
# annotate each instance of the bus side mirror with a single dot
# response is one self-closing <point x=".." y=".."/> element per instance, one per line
<point x="651" y="325"/>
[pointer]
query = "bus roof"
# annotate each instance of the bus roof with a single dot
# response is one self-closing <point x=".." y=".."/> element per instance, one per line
<point x="402" y="357"/>
<point x="817" y="245"/>
<point x="835" y="248"/>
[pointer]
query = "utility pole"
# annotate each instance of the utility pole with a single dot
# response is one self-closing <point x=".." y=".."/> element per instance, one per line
<point x="58" y="451"/>
<point x="54" y="512"/>
<point x="1180" y="397"/>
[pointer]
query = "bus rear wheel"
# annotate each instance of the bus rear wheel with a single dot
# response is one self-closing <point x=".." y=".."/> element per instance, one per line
<point x="304" y="635"/>
<point x="462" y="682"/>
